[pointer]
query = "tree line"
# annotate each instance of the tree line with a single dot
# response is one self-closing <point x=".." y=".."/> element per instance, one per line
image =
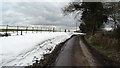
<point x="95" y="15"/>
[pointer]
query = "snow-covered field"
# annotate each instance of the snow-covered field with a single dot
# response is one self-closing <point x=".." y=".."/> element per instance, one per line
<point x="22" y="50"/>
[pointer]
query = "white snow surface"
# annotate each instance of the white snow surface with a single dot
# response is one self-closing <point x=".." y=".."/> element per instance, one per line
<point x="22" y="50"/>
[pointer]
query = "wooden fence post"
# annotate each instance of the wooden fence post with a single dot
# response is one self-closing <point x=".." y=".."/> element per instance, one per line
<point x="21" y="32"/>
<point x="68" y="30"/>
<point x="65" y="30"/>
<point x="53" y="29"/>
<point x="6" y="29"/>
<point x="17" y="29"/>
<point x="26" y="29"/>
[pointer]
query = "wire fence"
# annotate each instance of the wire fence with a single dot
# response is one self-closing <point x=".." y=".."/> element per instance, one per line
<point x="9" y="28"/>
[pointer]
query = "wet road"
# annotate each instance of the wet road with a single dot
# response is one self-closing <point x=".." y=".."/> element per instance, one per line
<point x="71" y="54"/>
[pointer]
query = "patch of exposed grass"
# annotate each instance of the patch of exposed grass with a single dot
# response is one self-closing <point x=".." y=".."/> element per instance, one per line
<point x="109" y="52"/>
<point x="106" y="46"/>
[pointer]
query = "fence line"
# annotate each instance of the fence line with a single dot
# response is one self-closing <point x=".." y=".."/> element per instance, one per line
<point x="8" y="28"/>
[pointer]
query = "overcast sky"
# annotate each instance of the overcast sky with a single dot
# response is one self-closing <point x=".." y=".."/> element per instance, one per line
<point x="19" y="12"/>
<point x="35" y="12"/>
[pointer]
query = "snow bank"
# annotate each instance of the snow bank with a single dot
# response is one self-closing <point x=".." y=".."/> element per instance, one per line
<point x="22" y="50"/>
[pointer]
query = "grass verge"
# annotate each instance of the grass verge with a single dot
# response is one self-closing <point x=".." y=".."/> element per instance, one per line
<point x="110" y="53"/>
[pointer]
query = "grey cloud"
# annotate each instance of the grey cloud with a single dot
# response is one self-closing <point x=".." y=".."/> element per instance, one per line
<point x="35" y="13"/>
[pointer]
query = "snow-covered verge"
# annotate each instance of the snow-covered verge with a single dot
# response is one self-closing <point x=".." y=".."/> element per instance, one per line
<point x="22" y="50"/>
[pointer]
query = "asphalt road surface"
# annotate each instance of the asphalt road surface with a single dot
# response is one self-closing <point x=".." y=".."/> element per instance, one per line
<point x="75" y="53"/>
